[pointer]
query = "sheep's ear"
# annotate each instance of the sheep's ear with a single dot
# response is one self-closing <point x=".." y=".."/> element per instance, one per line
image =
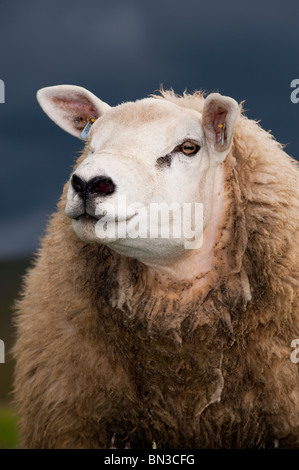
<point x="219" y="116"/>
<point x="70" y="107"/>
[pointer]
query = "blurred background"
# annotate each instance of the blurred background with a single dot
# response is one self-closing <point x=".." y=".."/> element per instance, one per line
<point x="120" y="50"/>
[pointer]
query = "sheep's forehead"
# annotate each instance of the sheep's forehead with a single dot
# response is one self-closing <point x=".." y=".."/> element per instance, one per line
<point x="146" y="120"/>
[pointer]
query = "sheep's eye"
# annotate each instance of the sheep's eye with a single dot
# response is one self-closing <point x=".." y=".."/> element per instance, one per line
<point x="189" y="148"/>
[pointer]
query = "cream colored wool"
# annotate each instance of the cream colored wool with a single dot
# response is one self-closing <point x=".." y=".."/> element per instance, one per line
<point x="109" y="356"/>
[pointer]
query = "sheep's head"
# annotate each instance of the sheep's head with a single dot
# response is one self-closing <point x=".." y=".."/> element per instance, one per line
<point x="143" y="159"/>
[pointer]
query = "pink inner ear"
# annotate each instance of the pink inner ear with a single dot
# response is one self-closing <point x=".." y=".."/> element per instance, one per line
<point x="77" y="111"/>
<point x="217" y="116"/>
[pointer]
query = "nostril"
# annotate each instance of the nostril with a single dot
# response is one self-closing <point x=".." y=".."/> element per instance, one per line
<point x="78" y="185"/>
<point x="101" y="185"/>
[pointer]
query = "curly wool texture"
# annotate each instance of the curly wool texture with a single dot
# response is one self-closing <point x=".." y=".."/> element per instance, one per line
<point x="108" y="356"/>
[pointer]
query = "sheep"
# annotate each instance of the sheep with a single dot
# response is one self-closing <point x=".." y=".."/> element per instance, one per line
<point x="134" y="342"/>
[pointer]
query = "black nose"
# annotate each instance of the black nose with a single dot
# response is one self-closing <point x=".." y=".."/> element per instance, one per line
<point x="101" y="185"/>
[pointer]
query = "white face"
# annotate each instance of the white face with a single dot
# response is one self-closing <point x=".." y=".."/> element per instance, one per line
<point x="141" y="155"/>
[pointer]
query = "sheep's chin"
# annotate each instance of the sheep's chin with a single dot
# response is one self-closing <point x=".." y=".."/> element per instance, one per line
<point x="84" y="228"/>
<point x="167" y="257"/>
<point x="149" y="251"/>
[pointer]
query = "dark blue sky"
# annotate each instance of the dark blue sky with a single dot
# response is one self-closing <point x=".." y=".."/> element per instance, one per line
<point x="123" y="50"/>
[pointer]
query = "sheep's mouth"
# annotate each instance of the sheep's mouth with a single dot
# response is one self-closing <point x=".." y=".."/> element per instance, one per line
<point x="90" y="218"/>
<point x="87" y="217"/>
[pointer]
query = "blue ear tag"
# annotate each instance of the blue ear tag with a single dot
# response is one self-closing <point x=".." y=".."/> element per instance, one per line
<point x="86" y="129"/>
<point x="223" y="129"/>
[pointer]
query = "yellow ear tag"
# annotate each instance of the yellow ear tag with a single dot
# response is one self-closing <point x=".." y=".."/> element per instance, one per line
<point x="86" y="129"/>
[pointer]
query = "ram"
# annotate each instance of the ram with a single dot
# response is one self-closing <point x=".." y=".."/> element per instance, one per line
<point x="171" y="342"/>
